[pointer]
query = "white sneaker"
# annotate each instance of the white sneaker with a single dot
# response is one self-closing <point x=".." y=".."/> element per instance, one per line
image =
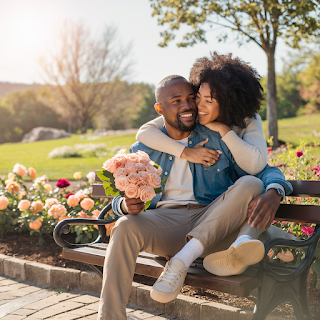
<point x="236" y="259"/>
<point x="168" y="285"/>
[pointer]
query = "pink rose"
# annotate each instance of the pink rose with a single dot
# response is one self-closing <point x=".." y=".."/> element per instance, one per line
<point x="285" y="257"/>
<point x="299" y="153"/>
<point x="50" y="202"/>
<point x="143" y="157"/>
<point x="19" y="169"/>
<point x="35" y="225"/>
<point x="120" y="159"/>
<point x="110" y="165"/>
<point x="73" y="201"/>
<point x="142" y="183"/>
<point x="57" y="210"/>
<point x="36" y="206"/>
<point x="318" y="174"/>
<point x="24" y="205"/>
<point x="3" y="202"/>
<point x="121" y="183"/>
<point x="307" y="230"/>
<point x="132" y="191"/>
<point x="154" y="180"/>
<point x="270" y="253"/>
<point x="141" y="167"/>
<point x="63" y="218"/>
<point x="80" y="194"/>
<point x="131" y="167"/>
<point x="315" y="168"/>
<point x="95" y="213"/>
<point x="32" y="173"/>
<point x="82" y="214"/>
<point x="133" y="177"/>
<point x="87" y="204"/>
<point x="120" y="172"/>
<point x="147" y="193"/>
<point x="133" y="157"/>
<point x="159" y="171"/>
<point x="143" y="175"/>
<point x="151" y="169"/>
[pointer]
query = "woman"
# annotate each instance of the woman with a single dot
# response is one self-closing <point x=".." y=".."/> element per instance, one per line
<point x="228" y="99"/>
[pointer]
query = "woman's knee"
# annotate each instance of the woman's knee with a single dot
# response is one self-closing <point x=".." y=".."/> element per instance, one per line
<point x="250" y="185"/>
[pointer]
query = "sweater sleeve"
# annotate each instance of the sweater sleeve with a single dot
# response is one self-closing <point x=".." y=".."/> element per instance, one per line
<point x="250" y="151"/>
<point x="151" y="135"/>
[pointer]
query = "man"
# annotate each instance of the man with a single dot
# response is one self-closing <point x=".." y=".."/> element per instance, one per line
<point x="200" y="204"/>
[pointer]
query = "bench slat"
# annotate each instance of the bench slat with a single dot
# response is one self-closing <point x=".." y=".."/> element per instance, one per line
<point x="240" y="285"/>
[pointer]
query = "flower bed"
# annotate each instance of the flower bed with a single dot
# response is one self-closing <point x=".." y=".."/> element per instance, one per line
<point x="39" y="208"/>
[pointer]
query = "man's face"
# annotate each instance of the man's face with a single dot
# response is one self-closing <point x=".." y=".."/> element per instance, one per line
<point x="178" y="105"/>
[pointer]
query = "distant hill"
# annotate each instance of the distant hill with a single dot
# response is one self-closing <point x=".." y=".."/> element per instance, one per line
<point x="6" y="87"/>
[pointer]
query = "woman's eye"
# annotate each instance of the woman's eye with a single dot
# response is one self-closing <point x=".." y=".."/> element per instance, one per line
<point x="208" y="101"/>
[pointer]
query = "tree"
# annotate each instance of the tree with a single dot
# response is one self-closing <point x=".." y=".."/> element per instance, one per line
<point x="79" y="70"/>
<point x="310" y="83"/>
<point x="260" y="21"/>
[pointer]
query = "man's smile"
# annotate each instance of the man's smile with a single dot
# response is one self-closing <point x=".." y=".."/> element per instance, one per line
<point x="187" y="115"/>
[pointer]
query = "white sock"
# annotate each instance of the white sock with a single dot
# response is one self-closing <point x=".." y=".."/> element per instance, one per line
<point x="240" y="239"/>
<point x="191" y="251"/>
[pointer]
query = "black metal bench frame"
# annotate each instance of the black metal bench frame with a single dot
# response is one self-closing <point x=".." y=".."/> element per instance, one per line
<point x="276" y="283"/>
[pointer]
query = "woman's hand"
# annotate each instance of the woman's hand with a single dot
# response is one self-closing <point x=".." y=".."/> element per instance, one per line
<point x="200" y="154"/>
<point x="220" y="127"/>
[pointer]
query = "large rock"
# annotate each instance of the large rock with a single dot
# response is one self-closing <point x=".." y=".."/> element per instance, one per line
<point x="42" y="133"/>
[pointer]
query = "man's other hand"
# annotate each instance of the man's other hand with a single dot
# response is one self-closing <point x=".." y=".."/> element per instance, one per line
<point x="200" y="154"/>
<point x="135" y="205"/>
<point x="262" y="209"/>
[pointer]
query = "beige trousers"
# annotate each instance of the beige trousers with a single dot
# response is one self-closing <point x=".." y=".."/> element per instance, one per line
<point x="164" y="232"/>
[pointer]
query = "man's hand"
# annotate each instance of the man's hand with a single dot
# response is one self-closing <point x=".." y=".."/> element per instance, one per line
<point x="135" y="205"/>
<point x="200" y="154"/>
<point x="262" y="209"/>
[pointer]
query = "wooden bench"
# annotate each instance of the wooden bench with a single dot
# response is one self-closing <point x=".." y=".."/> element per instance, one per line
<point x="276" y="282"/>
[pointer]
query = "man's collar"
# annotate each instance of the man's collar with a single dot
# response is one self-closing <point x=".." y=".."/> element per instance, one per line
<point x="199" y="128"/>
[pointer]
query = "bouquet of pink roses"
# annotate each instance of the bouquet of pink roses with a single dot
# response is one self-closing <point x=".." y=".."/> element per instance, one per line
<point x="133" y="175"/>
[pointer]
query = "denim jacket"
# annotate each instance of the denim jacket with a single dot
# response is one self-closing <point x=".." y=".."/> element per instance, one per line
<point x="208" y="182"/>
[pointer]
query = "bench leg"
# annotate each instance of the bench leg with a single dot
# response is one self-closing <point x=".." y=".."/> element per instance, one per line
<point x="271" y="293"/>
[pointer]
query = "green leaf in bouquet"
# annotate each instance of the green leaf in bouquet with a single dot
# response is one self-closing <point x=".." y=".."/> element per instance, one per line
<point x="102" y="176"/>
<point x="158" y="190"/>
<point x="164" y="180"/>
<point x="108" y="191"/>
<point x="147" y="205"/>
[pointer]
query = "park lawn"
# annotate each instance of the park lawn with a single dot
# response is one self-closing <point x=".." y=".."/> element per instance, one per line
<point x="35" y="155"/>
<point x="293" y="130"/>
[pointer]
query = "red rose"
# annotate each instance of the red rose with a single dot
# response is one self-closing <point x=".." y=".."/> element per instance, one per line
<point x="63" y="183"/>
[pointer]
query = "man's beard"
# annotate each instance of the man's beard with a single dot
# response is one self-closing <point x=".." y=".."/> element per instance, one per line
<point x="180" y="125"/>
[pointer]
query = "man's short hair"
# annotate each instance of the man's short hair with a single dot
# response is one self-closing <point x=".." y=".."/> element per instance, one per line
<point x="163" y="83"/>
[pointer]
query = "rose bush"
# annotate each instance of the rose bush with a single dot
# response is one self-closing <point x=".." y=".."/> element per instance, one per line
<point x="297" y="164"/>
<point x="39" y="208"/>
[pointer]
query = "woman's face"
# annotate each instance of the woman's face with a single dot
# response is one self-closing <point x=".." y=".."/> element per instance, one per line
<point x="208" y="108"/>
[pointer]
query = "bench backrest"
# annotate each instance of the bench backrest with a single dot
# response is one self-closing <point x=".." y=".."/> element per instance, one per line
<point x="287" y="212"/>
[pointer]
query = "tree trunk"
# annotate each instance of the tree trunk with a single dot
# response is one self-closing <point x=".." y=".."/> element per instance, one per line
<point x="272" y="105"/>
<point x="84" y="125"/>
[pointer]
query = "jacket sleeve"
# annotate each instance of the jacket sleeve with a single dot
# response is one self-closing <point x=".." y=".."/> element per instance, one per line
<point x="269" y="175"/>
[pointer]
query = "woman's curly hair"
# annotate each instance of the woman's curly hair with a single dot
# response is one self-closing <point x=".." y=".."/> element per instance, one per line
<point x="233" y="83"/>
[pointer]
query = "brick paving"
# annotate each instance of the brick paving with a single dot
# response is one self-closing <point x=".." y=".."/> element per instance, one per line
<point x="22" y="300"/>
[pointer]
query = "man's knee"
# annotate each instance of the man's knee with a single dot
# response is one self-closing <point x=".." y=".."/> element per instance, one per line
<point x="250" y="185"/>
<point x="125" y="225"/>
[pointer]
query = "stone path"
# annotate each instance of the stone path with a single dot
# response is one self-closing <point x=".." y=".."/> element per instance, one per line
<point x="22" y="300"/>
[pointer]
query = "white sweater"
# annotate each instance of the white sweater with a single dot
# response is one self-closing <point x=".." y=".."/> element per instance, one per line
<point x="247" y="146"/>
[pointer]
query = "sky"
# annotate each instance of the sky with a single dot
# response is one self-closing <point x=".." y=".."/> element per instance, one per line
<point x="28" y="30"/>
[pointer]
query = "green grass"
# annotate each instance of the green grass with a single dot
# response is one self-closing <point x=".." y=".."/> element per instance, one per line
<point x="293" y="129"/>
<point x="36" y="154"/>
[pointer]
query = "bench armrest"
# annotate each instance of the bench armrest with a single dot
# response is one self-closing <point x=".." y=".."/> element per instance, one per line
<point x="311" y="243"/>
<point x="64" y="227"/>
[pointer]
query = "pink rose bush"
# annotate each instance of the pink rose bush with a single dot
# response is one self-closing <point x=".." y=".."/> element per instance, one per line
<point x="39" y="208"/>
<point x="132" y="175"/>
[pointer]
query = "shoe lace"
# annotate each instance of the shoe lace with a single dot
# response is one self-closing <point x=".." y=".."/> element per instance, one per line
<point x="170" y="276"/>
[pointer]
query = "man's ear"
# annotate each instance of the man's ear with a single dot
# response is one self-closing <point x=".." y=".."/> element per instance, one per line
<point x="158" y="108"/>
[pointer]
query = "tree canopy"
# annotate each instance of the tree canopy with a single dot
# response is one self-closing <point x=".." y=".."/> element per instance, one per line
<point x="260" y="21"/>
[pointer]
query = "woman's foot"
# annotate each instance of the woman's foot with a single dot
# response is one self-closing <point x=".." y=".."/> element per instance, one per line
<point x="236" y="259"/>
